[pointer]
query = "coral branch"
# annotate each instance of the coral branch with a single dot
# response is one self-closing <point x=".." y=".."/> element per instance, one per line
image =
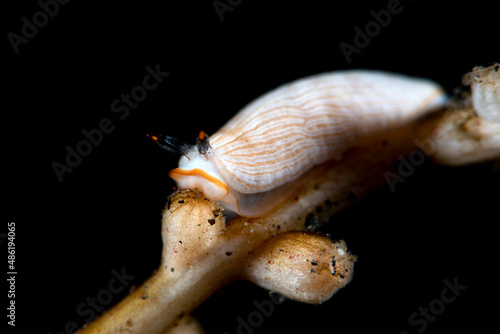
<point x="202" y="252"/>
<point x="470" y="130"/>
<point x="301" y="266"/>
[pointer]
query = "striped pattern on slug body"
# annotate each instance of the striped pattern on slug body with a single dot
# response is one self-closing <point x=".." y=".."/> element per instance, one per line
<point x="278" y="137"/>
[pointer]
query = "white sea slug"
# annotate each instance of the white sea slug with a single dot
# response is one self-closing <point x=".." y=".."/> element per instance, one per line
<point x="250" y="163"/>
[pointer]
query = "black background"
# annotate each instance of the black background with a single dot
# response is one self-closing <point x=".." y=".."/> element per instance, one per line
<point x="106" y="214"/>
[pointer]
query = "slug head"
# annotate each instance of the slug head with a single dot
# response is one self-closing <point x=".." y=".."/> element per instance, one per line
<point x="196" y="167"/>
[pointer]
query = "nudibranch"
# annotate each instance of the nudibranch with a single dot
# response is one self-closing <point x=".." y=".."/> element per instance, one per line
<point x="250" y="164"/>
